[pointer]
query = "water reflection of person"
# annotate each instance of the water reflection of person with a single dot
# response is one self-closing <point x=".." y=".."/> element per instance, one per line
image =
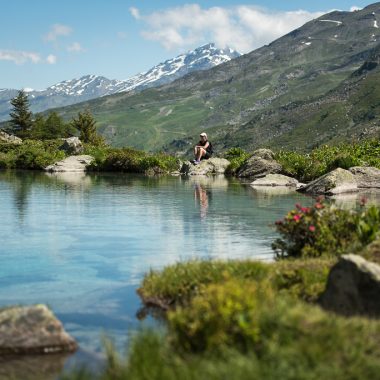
<point x="201" y="195"/>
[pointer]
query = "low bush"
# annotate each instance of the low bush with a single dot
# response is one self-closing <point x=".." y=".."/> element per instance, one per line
<point x="237" y="158"/>
<point x="31" y="154"/>
<point x="131" y="160"/>
<point x="178" y="284"/>
<point x="309" y="166"/>
<point x="325" y="230"/>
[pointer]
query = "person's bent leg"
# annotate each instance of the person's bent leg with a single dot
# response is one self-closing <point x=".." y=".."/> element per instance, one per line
<point x="201" y="153"/>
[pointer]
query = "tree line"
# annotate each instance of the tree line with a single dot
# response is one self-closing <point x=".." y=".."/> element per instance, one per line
<point x="40" y="127"/>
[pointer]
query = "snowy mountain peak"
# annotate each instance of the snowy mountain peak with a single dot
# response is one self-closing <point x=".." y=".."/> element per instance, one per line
<point x="93" y="86"/>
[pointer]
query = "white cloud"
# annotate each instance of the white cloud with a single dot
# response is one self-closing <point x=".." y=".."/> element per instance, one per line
<point x="243" y="28"/>
<point x="57" y="30"/>
<point x="75" y="47"/>
<point x="355" y="8"/>
<point x="51" y="59"/>
<point x="19" y="57"/>
<point x="135" y="12"/>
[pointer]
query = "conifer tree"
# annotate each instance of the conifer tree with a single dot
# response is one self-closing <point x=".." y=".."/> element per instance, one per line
<point x="86" y="125"/>
<point x="21" y="117"/>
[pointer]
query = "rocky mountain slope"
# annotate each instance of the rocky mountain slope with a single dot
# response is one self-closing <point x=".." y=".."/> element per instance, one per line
<point x="262" y="98"/>
<point x="309" y="87"/>
<point x="93" y="86"/>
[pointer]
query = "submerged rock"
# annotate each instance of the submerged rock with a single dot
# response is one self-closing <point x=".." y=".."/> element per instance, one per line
<point x="275" y="180"/>
<point x="206" y="167"/>
<point x="260" y="164"/>
<point x="11" y="139"/>
<point x="32" y="330"/>
<point x="353" y="287"/>
<point x="72" y="145"/>
<point x="71" y="164"/>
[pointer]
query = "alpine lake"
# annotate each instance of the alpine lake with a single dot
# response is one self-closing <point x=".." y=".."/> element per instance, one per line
<point x="81" y="243"/>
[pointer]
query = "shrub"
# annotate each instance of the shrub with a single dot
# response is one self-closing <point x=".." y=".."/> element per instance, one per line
<point x="325" y="230"/>
<point x="237" y="158"/>
<point x="223" y="315"/>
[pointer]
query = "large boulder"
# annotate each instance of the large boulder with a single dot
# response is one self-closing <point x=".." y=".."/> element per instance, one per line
<point x="32" y="330"/>
<point x="275" y="180"/>
<point x="341" y="181"/>
<point x="71" y="164"/>
<point x="336" y="182"/>
<point x="206" y="167"/>
<point x="260" y="164"/>
<point x="366" y="177"/>
<point x="353" y="287"/>
<point x="7" y="138"/>
<point x="72" y="145"/>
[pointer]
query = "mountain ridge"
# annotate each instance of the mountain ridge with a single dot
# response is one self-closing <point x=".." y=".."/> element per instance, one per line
<point x="89" y="87"/>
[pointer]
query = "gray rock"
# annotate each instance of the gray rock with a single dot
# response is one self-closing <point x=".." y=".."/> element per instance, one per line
<point x="336" y="182"/>
<point x="71" y="164"/>
<point x="206" y="167"/>
<point x="275" y="180"/>
<point x="72" y="145"/>
<point x="353" y="287"/>
<point x="5" y="137"/>
<point x="265" y="154"/>
<point x="260" y="164"/>
<point x="366" y="177"/>
<point x="32" y="330"/>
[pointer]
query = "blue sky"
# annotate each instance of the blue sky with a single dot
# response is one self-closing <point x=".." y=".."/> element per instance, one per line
<point x="43" y="42"/>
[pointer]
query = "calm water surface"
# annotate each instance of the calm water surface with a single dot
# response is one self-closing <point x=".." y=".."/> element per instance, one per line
<point x="81" y="243"/>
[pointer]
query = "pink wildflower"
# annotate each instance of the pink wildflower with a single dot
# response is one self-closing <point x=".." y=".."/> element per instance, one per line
<point x="305" y="209"/>
<point x="319" y="205"/>
<point x="296" y="217"/>
<point x="311" y="228"/>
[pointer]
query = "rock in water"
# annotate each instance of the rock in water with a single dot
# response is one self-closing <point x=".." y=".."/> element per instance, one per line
<point x="336" y="182"/>
<point x="260" y="164"/>
<point x="366" y="177"/>
<point x="275" y="180"/>
<point x="206" y="167"/>
<point x="72" y="145"/>
<point x="71" y="164"/>
<point x="32" y="330"/>
<point x="353" y="287"/>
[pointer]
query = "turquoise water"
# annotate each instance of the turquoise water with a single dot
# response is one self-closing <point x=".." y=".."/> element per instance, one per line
<point x="81" y="243"/>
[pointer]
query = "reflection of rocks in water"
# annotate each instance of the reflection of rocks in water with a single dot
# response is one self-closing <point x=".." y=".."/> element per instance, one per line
<point x="35" y="367"/>
<point x="210" y="182"/>
<point x="72" y="179"/>
<point x="273" y="191"/>
<point x="352" y="200"/>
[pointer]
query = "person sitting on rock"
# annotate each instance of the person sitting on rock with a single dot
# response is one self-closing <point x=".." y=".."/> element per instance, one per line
<point x="202" y="151"/>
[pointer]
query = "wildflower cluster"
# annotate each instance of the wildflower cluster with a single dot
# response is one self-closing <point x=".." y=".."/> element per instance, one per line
<point x="325" y="230"/>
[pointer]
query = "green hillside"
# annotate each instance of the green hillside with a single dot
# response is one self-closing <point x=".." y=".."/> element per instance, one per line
<point x="286" y="94"/>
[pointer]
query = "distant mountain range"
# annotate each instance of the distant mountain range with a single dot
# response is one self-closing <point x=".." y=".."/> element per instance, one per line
<point x="93" y="86"/>
<point x="318" y="84"/>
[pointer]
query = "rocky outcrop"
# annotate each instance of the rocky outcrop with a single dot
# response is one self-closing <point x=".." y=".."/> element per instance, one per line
<point x="336" y="182"/>
<point x="71" y="164"/>
<point x="72" y="145"/>
<point x="275" y="180"/>
<point x="206" y="167"/>
<point x="260" y="164"/>
<point x="341" y="181"/>
<point x="32" y="330"/>
<point x="353" y="287"/>
<point x="366" y="177"/>
<point x="5" y="137"/>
